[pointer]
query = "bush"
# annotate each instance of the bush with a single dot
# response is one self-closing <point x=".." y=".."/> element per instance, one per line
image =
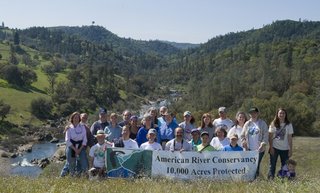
<point x="41" y="108"/>
<point x="4" y="110"/>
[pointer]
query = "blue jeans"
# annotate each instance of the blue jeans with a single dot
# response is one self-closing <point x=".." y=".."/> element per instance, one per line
<point x="261" y="154"/>
<point x="284" y="156"/>
<point x="75" y="164"/>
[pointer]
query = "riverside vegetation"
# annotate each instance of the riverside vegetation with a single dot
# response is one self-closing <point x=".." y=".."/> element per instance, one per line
<point x="305" y="151"/>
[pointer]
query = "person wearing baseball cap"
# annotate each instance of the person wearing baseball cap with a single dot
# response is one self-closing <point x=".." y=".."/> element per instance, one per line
<point x="223" y="119"/>
<point x="205" y="144"/>
<point x="101" y="123"/>
<point x="187" y="125"/>
<point x="151" y="144"/>
<point x="255" y="136"/>
<point x="196" y="140"/>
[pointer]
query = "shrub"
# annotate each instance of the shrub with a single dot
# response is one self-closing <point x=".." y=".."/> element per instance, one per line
<point x="41" y="108"/>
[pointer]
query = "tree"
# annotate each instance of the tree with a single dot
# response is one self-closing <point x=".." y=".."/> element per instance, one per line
<point x="4" y="110"/>
<point x="52" y="75"/>
<point x="41" y="108"/>
<point x="16" y="38"/>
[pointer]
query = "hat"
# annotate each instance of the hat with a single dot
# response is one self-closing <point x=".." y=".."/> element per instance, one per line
<point x="205" y="133"/>
<point x="152" y="131"/>
<point x="195" y="130"/>
<point x="134" y="117"/>
<point x="222" y="109"/>
<point x="100" y="133"/>
<point x="102" y="110"/>
<point x="253" y="109"/>
<point x="234" y="136"/>
<point x="187" y="113"/>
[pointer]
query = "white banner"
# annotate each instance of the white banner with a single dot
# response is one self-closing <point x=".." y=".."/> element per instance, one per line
<point x="216" y="165"/>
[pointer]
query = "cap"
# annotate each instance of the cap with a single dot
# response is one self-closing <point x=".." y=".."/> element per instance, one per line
<point x="100" y="133"/>
<point x="102" y="110"/>
<point x="253" y="109"/>
<point x="152" y="131"/>
<point x="187" y="113"/>
<point x="222" y="109"/>
<point x="234" y="136"/>
<point x="204" y="133"/>
<point x="134" y="117"/>
<point x="195" y="130"/>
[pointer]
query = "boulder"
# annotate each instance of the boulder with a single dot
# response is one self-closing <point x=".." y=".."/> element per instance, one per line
<point x="54" y="140"/>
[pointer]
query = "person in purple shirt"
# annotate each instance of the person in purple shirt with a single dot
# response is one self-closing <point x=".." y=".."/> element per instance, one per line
<point x="233" y="144"/>
<point x="76" y="142"/>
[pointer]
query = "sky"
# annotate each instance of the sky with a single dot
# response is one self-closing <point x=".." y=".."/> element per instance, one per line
<point x="184" y="21"/>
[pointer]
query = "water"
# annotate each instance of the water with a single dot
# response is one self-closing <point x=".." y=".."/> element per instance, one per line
<point x="21" y="165"/>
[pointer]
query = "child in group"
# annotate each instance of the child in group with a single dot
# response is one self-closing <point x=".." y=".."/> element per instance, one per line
<point x="288" y="170"/>
<point x="97" y="156"/>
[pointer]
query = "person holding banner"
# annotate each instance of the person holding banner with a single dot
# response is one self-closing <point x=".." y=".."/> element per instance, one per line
<point x="280" y="140"/>
<point x="178" y="143"/>
<point x="97" y="156"/>
<point x="151" y="144"/>
<point x="254" y="135"/>
<point x="221" y="138"/>
<point x="233" y="146"/>
<point x="205" y="145"/>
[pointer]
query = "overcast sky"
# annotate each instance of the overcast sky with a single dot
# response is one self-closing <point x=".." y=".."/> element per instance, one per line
<point x="193" y="21"/>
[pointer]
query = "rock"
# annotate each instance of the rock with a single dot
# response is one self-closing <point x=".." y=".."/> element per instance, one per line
<point x="4" y="154"/>
<point x="54" y="140"/>
<point x="43" y="162"/>
<point x="14" y="155"/>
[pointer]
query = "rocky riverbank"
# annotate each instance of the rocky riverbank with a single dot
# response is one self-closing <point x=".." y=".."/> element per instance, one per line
<point x="15" y="145"/>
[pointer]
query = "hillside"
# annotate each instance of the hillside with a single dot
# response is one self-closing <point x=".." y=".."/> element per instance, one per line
<point x="277" y="65"/>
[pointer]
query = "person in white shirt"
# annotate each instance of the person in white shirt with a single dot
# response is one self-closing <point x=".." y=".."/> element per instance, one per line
<point x="254" y="135"/>
<point x="223" y="119"/>
<point x="151" y="144"/>
<point x="221" y="138"/>
<point x="125" y="140"/>
<point x="280" y="140"/>
<point x="241" y="119"/>
<point x="178" y="143"/>
<point x="97" y="156"/>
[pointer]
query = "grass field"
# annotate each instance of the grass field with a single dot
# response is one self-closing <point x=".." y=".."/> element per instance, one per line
<point x="306" y="152"/>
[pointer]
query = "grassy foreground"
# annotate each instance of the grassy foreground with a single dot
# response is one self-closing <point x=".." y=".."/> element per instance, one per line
<point x="305" y="152"/>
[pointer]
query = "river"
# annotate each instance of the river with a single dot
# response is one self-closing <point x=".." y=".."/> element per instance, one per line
<point x="21" y="165"/>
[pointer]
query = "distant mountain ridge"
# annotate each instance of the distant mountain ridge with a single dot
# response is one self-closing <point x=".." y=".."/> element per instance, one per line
<point x="128" y="46"/>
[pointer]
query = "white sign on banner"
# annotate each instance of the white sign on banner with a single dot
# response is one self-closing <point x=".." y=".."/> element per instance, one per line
<point x="216" y="165"/>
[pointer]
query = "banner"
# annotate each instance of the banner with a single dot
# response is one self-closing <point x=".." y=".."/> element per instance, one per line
<point x="128" y="163"/>
<point x="216" y="165"/>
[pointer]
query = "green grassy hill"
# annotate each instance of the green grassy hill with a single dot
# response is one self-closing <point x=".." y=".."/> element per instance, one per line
<point x="20" y="98"/>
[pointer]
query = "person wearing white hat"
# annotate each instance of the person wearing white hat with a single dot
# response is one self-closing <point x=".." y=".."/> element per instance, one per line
<point x="97" y="156"/>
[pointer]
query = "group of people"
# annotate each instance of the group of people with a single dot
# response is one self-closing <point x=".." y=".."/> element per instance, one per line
<point x="163" y="132"/>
